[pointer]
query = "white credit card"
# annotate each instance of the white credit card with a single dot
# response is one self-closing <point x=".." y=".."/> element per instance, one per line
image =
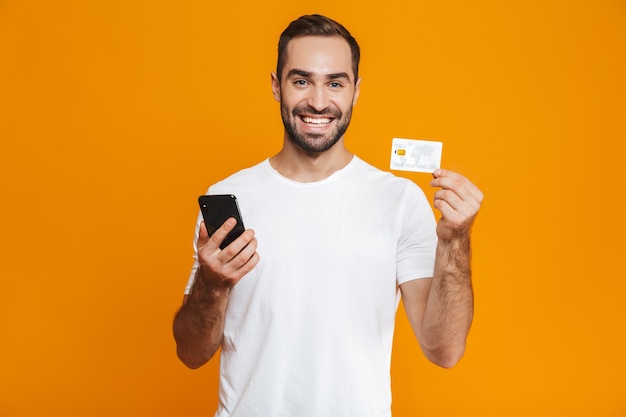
<point x="415" y="155"/>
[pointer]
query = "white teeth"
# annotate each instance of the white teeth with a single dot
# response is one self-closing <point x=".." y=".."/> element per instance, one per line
<point x="313" y="121"/>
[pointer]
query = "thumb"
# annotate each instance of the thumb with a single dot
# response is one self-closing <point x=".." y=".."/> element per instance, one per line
<point x="203" y="235"/>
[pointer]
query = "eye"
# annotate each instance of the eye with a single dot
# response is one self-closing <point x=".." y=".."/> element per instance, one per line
<point x="300" y="83"/>
<point x="335" y="84"/>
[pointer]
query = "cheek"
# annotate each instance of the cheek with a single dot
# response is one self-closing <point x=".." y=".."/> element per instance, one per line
<point x="291" y="101"/>
<point x="346" y="105"/>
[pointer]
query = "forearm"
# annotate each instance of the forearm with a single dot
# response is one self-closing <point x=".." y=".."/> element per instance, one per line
<point x="199" y="324"/>
<point x="449" y="310"/>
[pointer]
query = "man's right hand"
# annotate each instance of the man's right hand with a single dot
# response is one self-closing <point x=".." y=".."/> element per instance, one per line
<point x="199" y="323"/>
<point x="225" y="267"/>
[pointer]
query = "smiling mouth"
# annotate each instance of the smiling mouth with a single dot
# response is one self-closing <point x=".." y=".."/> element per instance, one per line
<point x="316" y="121"/>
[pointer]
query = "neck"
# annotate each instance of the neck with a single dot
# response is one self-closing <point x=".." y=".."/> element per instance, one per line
<point x="298" y="165"/>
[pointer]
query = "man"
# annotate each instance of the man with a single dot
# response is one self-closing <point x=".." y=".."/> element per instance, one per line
<point x="305" y="314"/>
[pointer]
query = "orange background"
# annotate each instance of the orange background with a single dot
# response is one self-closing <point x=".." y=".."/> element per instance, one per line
<point x="115" y="116"/>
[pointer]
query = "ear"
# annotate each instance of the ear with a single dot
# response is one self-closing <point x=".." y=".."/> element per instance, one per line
<point x="275" y="86"/>
<point x="357" y="91"/>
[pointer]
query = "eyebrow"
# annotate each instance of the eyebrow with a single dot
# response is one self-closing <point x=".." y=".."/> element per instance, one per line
<point x="307" y="74"/>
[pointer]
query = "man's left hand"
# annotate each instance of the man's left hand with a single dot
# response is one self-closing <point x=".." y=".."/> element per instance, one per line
<point x="458" y="201"/>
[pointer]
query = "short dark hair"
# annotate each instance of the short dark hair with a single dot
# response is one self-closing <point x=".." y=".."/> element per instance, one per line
<point x="316" y="25"/>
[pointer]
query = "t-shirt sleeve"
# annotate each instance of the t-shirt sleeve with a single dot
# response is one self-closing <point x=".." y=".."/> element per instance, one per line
<point x="418" y="238"/>
<point x="196" y="264"/>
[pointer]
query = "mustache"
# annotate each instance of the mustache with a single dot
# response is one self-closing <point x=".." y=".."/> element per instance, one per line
<point x="329" y="111"/>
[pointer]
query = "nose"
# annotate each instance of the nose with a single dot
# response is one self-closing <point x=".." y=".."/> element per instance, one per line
<point x="318" y="98"/>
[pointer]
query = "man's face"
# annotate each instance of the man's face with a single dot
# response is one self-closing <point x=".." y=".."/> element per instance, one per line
<point x="316" y="91"/>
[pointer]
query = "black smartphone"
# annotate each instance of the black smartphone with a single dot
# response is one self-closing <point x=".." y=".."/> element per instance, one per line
<point x="216" y="209"/>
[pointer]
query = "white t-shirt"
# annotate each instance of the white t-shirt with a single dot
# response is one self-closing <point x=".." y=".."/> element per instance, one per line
<point x="308" y="332"/>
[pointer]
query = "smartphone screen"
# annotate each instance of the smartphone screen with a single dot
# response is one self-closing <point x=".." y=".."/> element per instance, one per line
<point x="216" y="209"/>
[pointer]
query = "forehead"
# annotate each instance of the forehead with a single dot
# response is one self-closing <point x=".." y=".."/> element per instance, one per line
<point x="319" y="55"/>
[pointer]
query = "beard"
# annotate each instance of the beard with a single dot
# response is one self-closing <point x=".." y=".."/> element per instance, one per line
<point x="314" y="143"/>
